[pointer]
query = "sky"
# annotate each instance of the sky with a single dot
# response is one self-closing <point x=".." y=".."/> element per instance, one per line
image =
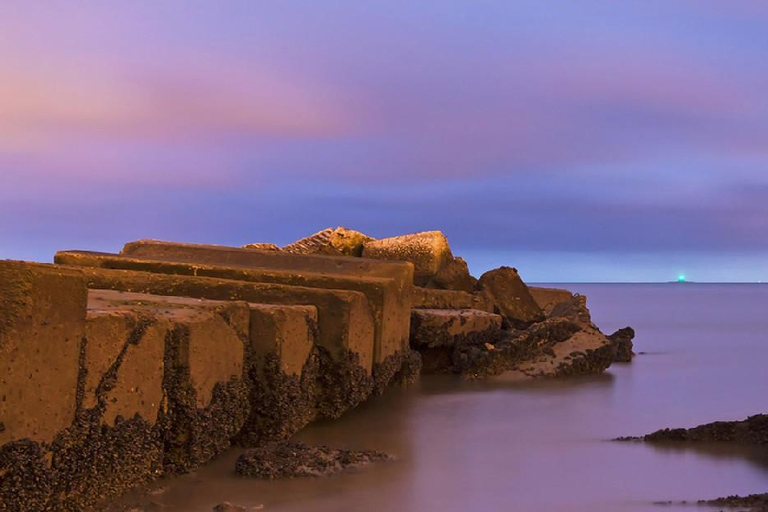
<point x="577" y="141"/>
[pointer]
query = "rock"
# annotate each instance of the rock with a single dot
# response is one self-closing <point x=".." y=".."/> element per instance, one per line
<point x="442" y="335"/>
<point x="428" y="251"/>
<point x="753" y="502"/>
<point x="622" y="344"/>
<point x="291" y="460"/>
<point x="510" y="297"/>
<point x="574" y="309"/>
<point x="338" y="241"/>
<point x="548" y="298"/>
<point x="428" y="298"/>
<point x="262" y="247"/>
<point x="453" y="275"/>
<point x="752" y="431"/>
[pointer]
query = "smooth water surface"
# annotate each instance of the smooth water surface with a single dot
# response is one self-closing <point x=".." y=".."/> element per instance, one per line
<point x="543" y="446"/>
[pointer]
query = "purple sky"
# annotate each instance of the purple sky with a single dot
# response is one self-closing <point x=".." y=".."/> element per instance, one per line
<point x="578" y="141"/>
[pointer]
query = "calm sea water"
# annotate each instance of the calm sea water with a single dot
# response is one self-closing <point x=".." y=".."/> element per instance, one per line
<point x="543" y="446"/>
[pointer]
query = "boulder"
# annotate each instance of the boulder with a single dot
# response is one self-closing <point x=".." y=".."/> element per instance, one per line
<point x="622" y="345"/>
<point x="548" y="298"/>
<point x="338" y="241"/>
<point x="428" y="251"/>
<point x="453" y="275"/>
<point x="510" y="297"/>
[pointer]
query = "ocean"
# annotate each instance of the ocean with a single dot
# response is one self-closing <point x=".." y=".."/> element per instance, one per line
<point x="545" y="446"/>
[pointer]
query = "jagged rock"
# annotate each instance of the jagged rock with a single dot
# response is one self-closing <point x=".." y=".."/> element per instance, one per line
<point x="291" y="460"/>
<point x="262" y="247"/>
<point x="338" y="241"/>
<point x="453" y="275"/>
<point x="622" y="344"/>
<point x="428" y="251"/>
<point x="510" y="297"/>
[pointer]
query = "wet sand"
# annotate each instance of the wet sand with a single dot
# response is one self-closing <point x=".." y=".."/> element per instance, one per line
<point x="544" y="446"/>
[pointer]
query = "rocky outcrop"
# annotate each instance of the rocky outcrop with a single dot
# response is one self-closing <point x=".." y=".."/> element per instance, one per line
<point x="752" y="431"/>
<point x="510" y="297"/>
<point x="622" y="345"/>
<point x="331" y="241"/>
<point x="292" y="460"/>
<point x="428" y="251"/>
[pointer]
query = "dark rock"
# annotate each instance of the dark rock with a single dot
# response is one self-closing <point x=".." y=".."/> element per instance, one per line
<point x="622" y="345"/>
<point x="453" y="275"/>
<point x="752" y="431"/>
<point x="510" y="297"/>
<point x="291" y="460"/>
<point x="753" y="502"/>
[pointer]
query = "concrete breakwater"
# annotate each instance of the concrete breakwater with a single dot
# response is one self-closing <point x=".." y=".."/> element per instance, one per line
<point x="116" y="369"/>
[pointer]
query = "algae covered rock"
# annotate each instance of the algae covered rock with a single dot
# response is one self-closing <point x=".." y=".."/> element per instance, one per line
<point x="338" y="241"/>
<point x="510" y="297"/>
<point x="428" y="251"/>
<point x="291" y="460"/>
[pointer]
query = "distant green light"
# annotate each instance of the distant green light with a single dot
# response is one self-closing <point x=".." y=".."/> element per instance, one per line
<point x="681" y="278"/>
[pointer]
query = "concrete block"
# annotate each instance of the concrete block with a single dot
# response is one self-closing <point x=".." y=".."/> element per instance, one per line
<point x="428" y="251"/>
<point x="427" y="298"/>
<point x="510" y="297"/>
<point x="42" y="324"/>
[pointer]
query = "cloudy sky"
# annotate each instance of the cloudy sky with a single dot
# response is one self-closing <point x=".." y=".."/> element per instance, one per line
<point x="579" y="141"/>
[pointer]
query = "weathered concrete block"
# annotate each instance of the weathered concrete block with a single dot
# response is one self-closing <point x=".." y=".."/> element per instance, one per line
<point x="234" y="256"/>
<point x="510" y="297"/>
<point x="388" y="297"/>
<point x="42" y="323"/>
<point x="345" y="323"/>
<point x="453" y="275"/>
<point x="338" y="241"/>
<point x="204" y="395"/>
<point x="283" y="371"/>
<point x="123" y="362"/>
<point x="286" y="331"/>
<point x="427" y="298"/>
<point x="548" y="298"/>
<point x="428" y="251"/>
<point x="444" y="327"/>
<point x="395" y="311"/>
<point x="439" y="333"/>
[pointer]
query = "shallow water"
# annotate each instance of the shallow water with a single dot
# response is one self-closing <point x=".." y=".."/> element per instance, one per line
<point x="543" y="446"/>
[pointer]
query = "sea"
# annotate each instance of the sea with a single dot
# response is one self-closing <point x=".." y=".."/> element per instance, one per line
<point x="702" y="356"/>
